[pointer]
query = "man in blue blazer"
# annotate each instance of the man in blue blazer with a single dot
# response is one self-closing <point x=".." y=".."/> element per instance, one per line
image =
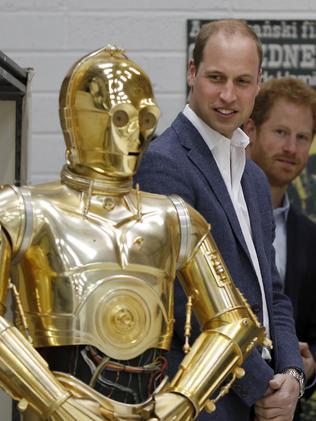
<point x="201" y="157"/>
<point x="281" y="131"/>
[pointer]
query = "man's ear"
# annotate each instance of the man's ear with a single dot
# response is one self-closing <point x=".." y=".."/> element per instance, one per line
<point x="191" y="73"/>
<point x="259" y="80"/>
<point x="250" y="129"/>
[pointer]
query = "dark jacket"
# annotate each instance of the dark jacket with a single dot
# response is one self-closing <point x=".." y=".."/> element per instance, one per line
<point x="300" y="277"/>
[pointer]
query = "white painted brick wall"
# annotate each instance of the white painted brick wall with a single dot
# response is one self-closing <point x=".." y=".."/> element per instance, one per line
<point x="49" y="35"/>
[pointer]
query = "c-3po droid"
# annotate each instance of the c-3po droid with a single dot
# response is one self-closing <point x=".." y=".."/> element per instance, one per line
<point x="92" y="263"/>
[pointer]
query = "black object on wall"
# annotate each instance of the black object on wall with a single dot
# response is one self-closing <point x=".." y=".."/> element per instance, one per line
<point x="13" y="83"/>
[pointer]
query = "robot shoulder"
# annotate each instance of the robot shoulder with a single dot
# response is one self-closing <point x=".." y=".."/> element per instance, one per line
<point x="16" y="211"/>
<point x="12" y="214"/>
<point x="193" y="228"/>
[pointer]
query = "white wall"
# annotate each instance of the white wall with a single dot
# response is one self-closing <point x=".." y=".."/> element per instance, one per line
<point x="49" y="35"/>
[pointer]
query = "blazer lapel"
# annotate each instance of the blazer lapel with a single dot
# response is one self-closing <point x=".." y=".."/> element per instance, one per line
<point x="201" y="156"/>
<point x="255" y="223"/>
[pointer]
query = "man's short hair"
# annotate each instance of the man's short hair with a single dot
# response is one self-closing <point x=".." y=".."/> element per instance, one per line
<point x="227" y="26"/>
<point x="290" y="89"/>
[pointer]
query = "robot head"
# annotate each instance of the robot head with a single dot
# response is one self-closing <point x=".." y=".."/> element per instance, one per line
<point x="108" y="114"/>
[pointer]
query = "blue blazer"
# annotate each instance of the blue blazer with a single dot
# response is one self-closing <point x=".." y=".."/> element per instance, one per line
<point x="180" y="162"/>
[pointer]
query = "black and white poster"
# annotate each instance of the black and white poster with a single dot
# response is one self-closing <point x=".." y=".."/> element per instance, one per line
<point x="289" y="47"/>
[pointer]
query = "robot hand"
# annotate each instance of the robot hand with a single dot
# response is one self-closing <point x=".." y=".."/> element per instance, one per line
<point x="172" y="407"/>
<point x="72" y="409"/>
<point x="25" y="376"/>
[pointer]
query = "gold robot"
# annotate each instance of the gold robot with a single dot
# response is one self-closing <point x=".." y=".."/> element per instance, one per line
<point x="91" y="263"/>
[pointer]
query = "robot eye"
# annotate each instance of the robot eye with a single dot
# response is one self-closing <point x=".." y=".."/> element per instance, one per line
<point x="147" y="120"/>
<point x="120" y="118"/>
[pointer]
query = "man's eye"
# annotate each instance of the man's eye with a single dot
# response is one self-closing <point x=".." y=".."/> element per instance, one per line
<point x="214" y="78"/>
<point x="304" y="138"/>
<point x="147" y="120"/>
<point x="120" y="118"/>
<point x="281" y="132"/>
<point x="243" y="82"/>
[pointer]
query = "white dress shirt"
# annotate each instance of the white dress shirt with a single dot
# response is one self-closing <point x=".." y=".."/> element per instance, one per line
<point x="230" y="157"/>
<point x="280" y="218"/>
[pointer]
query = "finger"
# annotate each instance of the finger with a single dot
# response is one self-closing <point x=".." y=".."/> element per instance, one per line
<point x="304" y="348"/>
<point x="276" y="382"/>
<point x="268" y="413"/>
<point x="269" y="391"/>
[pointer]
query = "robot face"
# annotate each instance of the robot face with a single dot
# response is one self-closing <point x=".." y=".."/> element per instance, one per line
<point x="110" y="116"/>
<point x="131" y="127"/>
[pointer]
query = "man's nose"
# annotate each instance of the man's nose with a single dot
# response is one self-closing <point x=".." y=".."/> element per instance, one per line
<point x="228" y="92"/>
<point x="290" y="144"/>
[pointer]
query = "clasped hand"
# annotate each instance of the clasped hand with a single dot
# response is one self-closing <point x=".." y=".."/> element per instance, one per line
<point x="279" y="401"/>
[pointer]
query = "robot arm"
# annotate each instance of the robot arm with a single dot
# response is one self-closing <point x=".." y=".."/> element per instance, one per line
<point x="24" y="374"/>
<point x="230" y="330"/>
<point x="5" y="253"/>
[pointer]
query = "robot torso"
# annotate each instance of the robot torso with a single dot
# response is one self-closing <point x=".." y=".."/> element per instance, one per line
<point x="101" y="275"/>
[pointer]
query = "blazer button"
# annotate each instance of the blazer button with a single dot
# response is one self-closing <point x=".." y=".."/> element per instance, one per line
<point x="255" y="308"/>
